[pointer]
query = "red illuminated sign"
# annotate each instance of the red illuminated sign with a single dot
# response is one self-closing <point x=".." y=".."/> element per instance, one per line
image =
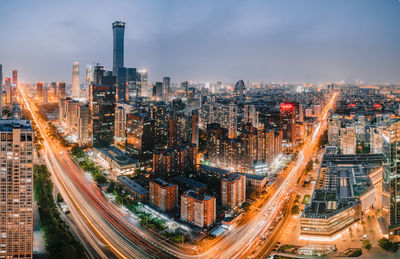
<point x="352" y="105"/>
<point x="377" y="105"/>
<point x="287" y="106"/>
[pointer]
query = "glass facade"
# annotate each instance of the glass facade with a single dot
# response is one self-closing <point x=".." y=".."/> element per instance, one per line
<point x="118" y="46"/>
<point x="391" y="175"/>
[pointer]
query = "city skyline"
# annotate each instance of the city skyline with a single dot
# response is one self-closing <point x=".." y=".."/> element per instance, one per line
<point x="311" y="42"/>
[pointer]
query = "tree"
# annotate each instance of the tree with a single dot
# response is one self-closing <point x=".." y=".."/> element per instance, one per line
<point x="295" y="210"/>
<point x="309" y="166"/>
<point x="367" y="244"/>
<point x="388" y="245"/>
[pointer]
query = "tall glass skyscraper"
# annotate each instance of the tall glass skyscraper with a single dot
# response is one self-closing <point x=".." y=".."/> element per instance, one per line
<point x="76" y="88"/>
<point x="118" y="46"/>
<point x="391" y="175"/>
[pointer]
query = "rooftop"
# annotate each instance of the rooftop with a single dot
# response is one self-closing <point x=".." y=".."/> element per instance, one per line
<point x="117" y="155"/>
<point x="10" y="124"/>
<point x="190" y="182"/>
<point x="163" y="183"/>
<point x="338" y="188"/>
<point x="132" y="185"/>
<point x="199" y="197"/>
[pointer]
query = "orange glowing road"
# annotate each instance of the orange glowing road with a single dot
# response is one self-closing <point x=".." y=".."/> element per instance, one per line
<point x="105" y="221"/>
<point x="101" y="217"/>
<point x="239" y="242"/>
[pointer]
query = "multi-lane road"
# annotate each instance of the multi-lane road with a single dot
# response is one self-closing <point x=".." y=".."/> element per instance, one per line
<point x="109" y="234"/>
<point x="105" y="227"/>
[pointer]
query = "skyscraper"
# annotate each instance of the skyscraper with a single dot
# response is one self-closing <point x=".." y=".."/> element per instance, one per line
<point x="239" y="91"/>
<point x="75" y="80"/>
<point x="89" y="78"/>
<point x="1" y="90"/>
<point x="16" y="189"/>
<point x="121" y="84"/>
<point x="391" y="175"/>
<point x="39" y="90"/>
<point x="157" y="91"/>
<point x="102" y="108"/>
<point x="118" y="45"/>
<point x="143" y="81"/>
<point x="60" y="90"/>
<point x="15" y="77"/>
<point x="132" y="88"/>
<point x="288" y="123"/>
<point x="1" y="75"/>
<point x="166" y="81"/>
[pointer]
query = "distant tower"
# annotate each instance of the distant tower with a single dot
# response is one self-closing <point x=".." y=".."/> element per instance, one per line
<point x="89" y="78"/>
<point x="166" y="85"/>
<point x="1" y="90"/>
<point x="15" y="77"/>
<point x="239" y="91"/>
<point x="118" y="46"/>
<point x="75" y="80"/>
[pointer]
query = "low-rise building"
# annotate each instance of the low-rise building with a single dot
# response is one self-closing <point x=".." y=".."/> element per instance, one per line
<point x="113" y="158"/>
<point x="256" y="182"/>
<point x="342" y="192"/>
<point x="137" y="191"/>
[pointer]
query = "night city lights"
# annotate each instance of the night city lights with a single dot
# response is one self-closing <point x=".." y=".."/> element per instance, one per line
<point x="200" y="129"/>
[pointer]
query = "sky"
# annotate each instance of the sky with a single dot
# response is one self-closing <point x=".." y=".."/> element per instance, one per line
<point x="268" y="40"/>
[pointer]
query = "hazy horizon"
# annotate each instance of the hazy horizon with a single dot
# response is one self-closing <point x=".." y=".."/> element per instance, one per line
<point x="283" y="41"/>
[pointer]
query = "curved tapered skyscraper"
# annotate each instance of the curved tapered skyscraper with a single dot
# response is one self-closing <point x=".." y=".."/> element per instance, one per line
<point x="118" y="46"/>
<point x="76" y="91"/>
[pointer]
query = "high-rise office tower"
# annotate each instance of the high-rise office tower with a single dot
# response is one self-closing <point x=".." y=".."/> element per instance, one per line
<point x="89" y="78"/>
<point x="121" y="84"/>
<point x="391" y="175"/>
<point x="15" y="77"/>
<point x="118" y="46"/>
<point x="139" y="136"/>
<point x="102" y="103"/>
<point x="60" y="90"/>
<point x="75" y="81"/>
<point x="158" y="91"/>
<point x="166" y="81"/>
<point x="239" y="91"/>
<point x="82" y="123"/>
<point x="98" y="74"/>
<point x="1" y="75"/>
<point x="185" y="86"/>
<point x="160" y="118"/>
<point x="39" y="90"/>
<point x="288" y="124"/>
<point x="120" y="124"/>
<point x="132" y="88"/>
<point x="144" y="84"/>
<point x="1" y="91"/>
<point x="16" y="189"/>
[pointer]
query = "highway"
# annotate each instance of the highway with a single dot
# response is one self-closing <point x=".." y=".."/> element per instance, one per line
<point x="107" y="229"/>
<point x="105" y="226"/>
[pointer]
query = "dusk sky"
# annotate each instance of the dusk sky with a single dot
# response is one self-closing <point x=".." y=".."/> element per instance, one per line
<point x="285" y="41"/>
